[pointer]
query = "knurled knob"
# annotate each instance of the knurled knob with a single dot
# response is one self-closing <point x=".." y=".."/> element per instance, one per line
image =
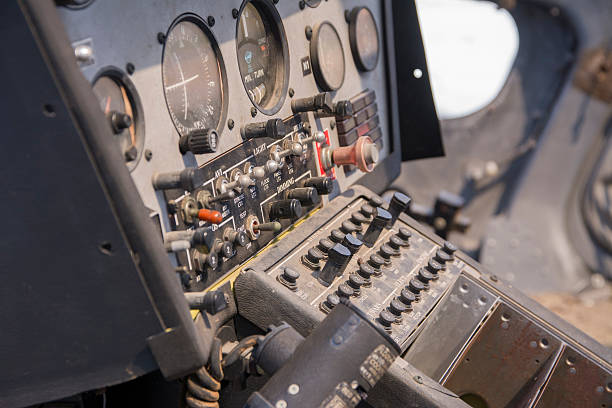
<point x="199" y="141"/>
<point x="396" y="243"/>
<point x="434" y="266"/>
<point x="449" y="248"/>
<point x="337" y="235"/>
<point x="386" y="252"/>
<point x="407" y="297"/>
<point x="357" y="219"/>
<point x="376" y="261"/>
<point x="345" y="290"/>
<point x="325" y="245"/>
<point x="404" y="233"/>
<point x="397" y="308"/>
<point x="442" y="257"/>
<point x="386" y="318"/>
<point x="347" y="227"/>
<point x="367" y="211"/>
<point x="416" y="286"/>
<point x="425" y="276"/>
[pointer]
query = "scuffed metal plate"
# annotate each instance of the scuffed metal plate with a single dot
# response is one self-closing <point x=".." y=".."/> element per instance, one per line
<point x="503" y="362"/>
<point x="577" y="382"/>
<point x="450" y="326"/>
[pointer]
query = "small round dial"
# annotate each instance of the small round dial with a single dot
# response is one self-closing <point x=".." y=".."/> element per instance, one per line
<point x="193" y="76"/>
<point x="363" y="35"/>
<point x="327" y="56"/>
<point x="263" y="57"/>
<point x="121" y="106"/>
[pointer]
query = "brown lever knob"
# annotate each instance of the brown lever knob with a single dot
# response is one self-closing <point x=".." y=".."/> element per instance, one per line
<point x="363" y="154"/>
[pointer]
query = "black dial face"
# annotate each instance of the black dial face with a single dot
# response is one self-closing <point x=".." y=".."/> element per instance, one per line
<point x="327" y="56"/>
<point x="363" y="34"/>
<point x="193" y="77"/>
<point x="120" y="104"/>
<point x="262" y="55"/>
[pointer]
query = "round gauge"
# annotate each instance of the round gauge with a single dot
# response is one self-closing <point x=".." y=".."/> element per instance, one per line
<point x="263" y="55"/>
<point x="327" y="56"/>
<point x="121" y="106"/>
<point x="193" y="76"/>
<point x="363" y="35"/>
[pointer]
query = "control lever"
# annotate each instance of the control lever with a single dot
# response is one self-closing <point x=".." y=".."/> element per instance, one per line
<point x="363" y="154"/>
<point x="191" y="213"/>
<point x="206" y="199"/>
<point x="242" y="181"/>
<point x="273" y="128"/>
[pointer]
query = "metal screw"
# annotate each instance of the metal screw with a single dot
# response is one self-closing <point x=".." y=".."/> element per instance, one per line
<point x="235" y="13"/>
<point x="418" y="379"/>
<point x="332" y="124"/>
<point x="308" y="31"/>
<point x="230" y="124"/>
<point x="148" y="154"/>
<point x="291" y="92"/>
<point x="253" y="112"/>
<point x="211" y="21"/>
<point x="130" y="68"/>
<point x="161" y="37"/>
<point x="302" y="4"/>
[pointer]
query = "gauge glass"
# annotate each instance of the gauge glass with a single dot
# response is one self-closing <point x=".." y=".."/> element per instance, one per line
<point x="262" y="55"/>
<point x="193" y="77"/>
<point x="363" y="34"/>
<point x="118" y="100"/>
<point x="327" y="57"/>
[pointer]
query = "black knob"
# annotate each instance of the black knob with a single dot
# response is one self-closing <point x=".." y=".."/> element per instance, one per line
<point x="120" y="121"/>
<point x="307" y="196"/>
<point x="357" y="219"/>
<point x="442" y="257"/>
<point x="337" y="235"/>
<point x="225" y="248"/>
<point x="203" y="262"/>
<point x="449" y="248"/>
<point x="337" y="257"/>
<point x="434" y="267"/>
<point x="347" y="227"/>
<point x="397" y="308"/>
<point x="375" y="201"/>
<point x="319" y="102"/>
<point x="404" y="234"/>
<point x="386" y="252"/>
<point x="325" y="245"/>
<point x="356" y="282"/>
<point x="236" y="237"/>
<point x="343" y="108"/>
<point x="188" y="179"/>
<point x="352" y="243"/>
<point x="386" y="318"/>
<point x="130" y="154"/>
<point x="416" y="286"/>
<point x="273" y="128"/>
<point x="376" y="261"/>
<point x="290" y="208"/>
<point x="313" y="257"/>
<point x="366" y="272"/>
<point x="407" y="297"/>
<point x="345" y="291"/>
<point x="396" y="243"/>
<point x="290" y="275"/>
<point x="399" y="202"/>
<point x="425" y="276"/>
<point x="367" y="211"/>
<point x="381" y="218"/>
<point x="330" y="302"/>
<point x="199" y="141"/>
<point x="323" y="185"/>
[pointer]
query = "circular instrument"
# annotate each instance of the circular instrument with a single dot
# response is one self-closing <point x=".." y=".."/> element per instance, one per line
<point x="327" y="56"/>
<point x="363" y="36"/>
<point x="121" y="106"/>
<point x="193" y="76"/>
<point x="263" y="55"/>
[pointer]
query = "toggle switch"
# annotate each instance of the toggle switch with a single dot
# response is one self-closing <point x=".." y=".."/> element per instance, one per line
<point x="261" y="172"/>
<point x="236" y="237"/>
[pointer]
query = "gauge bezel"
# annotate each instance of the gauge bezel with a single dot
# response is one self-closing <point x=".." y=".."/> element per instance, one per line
<point x="361" y="66"/>
<point x="316" y="63"/>
<point x="199" y="21"/>
<point x="270" y="15"/>
<point x="123" y="79"/>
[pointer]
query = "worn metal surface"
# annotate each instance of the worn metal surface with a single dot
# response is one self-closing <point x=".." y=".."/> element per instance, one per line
<point x="449" y="327"/>
<point x="500" y="363"/>
<point x="577" y="382"/>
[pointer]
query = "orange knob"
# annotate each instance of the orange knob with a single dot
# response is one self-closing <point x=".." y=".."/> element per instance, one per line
<point x="212" y="216"/>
